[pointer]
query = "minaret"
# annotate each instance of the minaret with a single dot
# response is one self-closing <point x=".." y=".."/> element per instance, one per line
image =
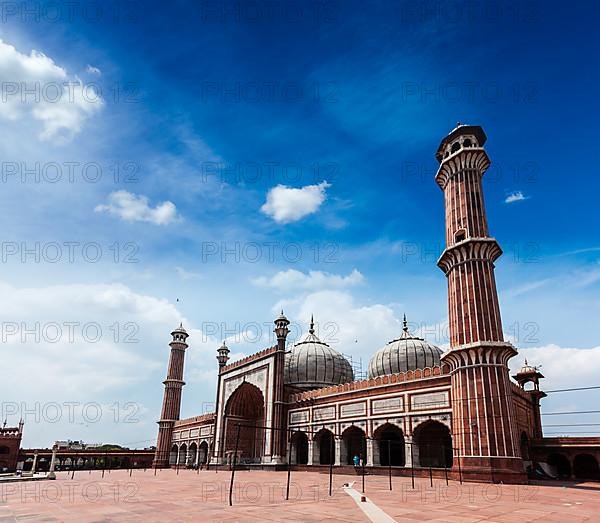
<point x="172" y="397"/>
<point x="278" y="437"/>
<point x="222" y="359"/>
<point x="484" y="429"/>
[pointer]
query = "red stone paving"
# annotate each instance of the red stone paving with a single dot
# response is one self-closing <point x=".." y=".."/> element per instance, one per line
<point x="259" y="497"/>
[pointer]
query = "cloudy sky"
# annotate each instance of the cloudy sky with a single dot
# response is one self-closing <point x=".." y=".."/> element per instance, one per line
<point x="198" y="164"/>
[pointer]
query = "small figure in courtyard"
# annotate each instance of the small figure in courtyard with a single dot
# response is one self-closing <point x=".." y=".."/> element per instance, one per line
<point x="356" y="460"/>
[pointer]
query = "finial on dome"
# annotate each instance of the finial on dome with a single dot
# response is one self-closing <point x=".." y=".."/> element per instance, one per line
<point x="405" y="325"/>
<point x="312" y="324"/>
<point x="526" y="362"/>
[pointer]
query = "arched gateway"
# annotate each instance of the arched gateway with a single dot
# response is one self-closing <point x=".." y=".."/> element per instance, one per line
<point x="246" y="408"/>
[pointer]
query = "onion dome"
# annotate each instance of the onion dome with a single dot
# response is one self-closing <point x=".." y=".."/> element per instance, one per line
<point x="312" y="364"/>
<point x="403" y="354"/>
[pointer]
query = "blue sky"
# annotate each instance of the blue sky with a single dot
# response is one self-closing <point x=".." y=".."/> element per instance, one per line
<point x="341" y="114"/>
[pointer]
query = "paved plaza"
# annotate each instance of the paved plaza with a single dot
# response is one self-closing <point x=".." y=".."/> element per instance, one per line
<point x="259" y="496"/>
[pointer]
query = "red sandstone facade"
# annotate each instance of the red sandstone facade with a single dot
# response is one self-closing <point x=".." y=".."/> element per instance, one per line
<point x="463" y="413"/>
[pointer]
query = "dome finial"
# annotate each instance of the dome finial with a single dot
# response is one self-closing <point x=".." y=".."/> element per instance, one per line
<point x="312" y="324"/>
<point x="526" y="362"/>
<point x="404" y="325"/>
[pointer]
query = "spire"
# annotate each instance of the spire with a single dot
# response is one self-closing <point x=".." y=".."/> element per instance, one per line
<point x="405" y="333"/>
<point x="312" y="325"/>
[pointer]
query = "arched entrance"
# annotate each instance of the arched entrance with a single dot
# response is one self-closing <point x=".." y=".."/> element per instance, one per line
<point x="585" y="466"/>
<point x="354" y="443"/>
<point x="245" y="407"/>
<point x="390" y="448"/>
<point x="433" y="445"/>
<point x="560" y="464"/>
<point x="203" y="453"/>
<point x="524" y="446"/>
<point x="192" y="454"/>
<point x="182" y="454"/>
<point x="324" y="448"/>
<point x="299" y="450"/>
<point x="173" y="455"/>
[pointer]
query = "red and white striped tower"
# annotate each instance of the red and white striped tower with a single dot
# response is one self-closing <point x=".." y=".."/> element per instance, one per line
<point x="483" y="424"/>
<point x="172" y="397"/>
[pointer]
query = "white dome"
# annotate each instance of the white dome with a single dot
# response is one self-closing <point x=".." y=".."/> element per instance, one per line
<point x="312" y="364"/>
<point x="404" y="354"/>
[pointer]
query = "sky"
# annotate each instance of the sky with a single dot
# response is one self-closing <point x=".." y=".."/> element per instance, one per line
<point x="213" y="162"/>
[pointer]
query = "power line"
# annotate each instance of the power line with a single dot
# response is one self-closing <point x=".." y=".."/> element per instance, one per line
<point x="573" y="389"/>
<point x="575" y="425"/>
<point x="571" y="412"/>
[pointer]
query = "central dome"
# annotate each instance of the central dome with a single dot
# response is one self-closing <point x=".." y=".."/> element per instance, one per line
<point x="406" y="353"/>
<point x="312" y="364"/>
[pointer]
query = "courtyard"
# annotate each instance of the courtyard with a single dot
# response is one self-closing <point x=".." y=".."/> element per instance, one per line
<point x="257" y="495"/>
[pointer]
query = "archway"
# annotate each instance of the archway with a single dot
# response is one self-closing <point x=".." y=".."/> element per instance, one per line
<point x="524" y="446"/>
<point x="390" y="448"/>
<point x="433" y="444"/>
<point x="245" y="407"/>
<point x="561" y="465"/>
<point x="354" y="443"/>
<point x="192" y="454"/>
<point x="203" y="453"/>
<point x="173" y="455"/>
<point x="182" y="454"/>
<point x="585" y="466"/>
<point x="324" y="448"/>
<point x="299" y="450"/>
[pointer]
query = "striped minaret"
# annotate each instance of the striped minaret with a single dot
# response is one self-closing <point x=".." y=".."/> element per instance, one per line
<point x="172" y="397"/>
<point x="484" y="429"/>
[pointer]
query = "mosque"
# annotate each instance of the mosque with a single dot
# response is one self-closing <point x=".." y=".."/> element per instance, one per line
<point x="420" y="407"/>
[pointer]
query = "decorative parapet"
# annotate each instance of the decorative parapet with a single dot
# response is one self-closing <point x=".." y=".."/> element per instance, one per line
<point x="205" y="418"/>
<point x="10" y="432"/>
<point x="518" y="391"/>
<point x="249" y="359"/>
<point x="389" y="379"/>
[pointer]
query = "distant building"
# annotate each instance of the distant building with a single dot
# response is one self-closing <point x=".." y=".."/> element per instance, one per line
<point x="10" y="443"/>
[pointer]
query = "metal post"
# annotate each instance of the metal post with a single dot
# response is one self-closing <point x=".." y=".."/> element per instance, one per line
<point x="331" y="459"/>
<point x="104" y="463"/>
<point x="430" y="477"/>
<point x="131" y="459"/>
<point x="459" y="469"/>
<point x="363" y="474"/>
<point x="289" y="467"/>
<point x="237" y="442"/>
<point x="74" y="465"/>
<point x="412" y="466"/>
<point x="390" y="462"/>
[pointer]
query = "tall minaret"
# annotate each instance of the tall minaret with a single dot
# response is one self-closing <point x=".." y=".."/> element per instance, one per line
<point x="483" y="424"/>
<point x="278" y="437"/>
<point x="172" y="397"/>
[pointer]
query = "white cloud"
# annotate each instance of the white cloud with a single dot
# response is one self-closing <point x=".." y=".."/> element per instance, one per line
<point x="135" y="208"/>
<point x="348" y="327"/>
<point x="187" y="275"/>
<point x="288" y="204"/>
<point x="293" y="280"/>
<point x="85" y="343"/>
<point x="93" y="70"/>
<point x="35" y="89"/>
<point x="516" y="196"/>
